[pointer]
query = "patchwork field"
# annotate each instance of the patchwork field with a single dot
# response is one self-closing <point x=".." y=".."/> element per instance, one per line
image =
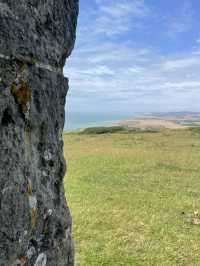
<point x="170" y="121"/>
<point x="152" y="122"/>
<point x="135" y="197"/>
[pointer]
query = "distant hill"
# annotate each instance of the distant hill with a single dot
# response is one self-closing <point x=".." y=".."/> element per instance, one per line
<point x="181" y="113"/>
<point x="171" y="120"/>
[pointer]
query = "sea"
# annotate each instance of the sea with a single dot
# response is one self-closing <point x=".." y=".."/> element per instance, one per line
<point x="78" y="120"/>
<point x="75" y="121"/>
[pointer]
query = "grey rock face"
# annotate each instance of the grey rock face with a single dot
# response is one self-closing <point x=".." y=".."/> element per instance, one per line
<point x="36" y="36"/>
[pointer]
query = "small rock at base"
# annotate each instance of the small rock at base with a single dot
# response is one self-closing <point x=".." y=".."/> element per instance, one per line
<point x="41" y="260"/>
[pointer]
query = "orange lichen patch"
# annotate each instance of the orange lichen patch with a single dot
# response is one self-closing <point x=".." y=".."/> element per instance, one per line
<point x="22" y="94"/>
<point x="33" y="217"/>
<point x="29" y="188"/>
<point x="23" y="260"/>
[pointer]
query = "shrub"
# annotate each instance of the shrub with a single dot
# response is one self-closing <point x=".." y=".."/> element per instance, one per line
<point x="103" y="130"/>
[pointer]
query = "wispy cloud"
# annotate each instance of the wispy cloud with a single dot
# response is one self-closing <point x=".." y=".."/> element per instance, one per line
<point x="181" y="63"/>
<point x="123" y="8"/>
<point x="115" y="17"/>
<point x="139" y="77"/>
<point x="113" y="68"/>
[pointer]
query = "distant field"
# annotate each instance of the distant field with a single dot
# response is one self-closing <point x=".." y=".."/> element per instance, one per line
<point x="152" y="122"/>
<point x="133" y="197"/>
<point x="170" y="122"/>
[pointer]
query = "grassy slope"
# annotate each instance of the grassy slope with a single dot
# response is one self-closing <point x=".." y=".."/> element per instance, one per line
<point x="127" y="193"/>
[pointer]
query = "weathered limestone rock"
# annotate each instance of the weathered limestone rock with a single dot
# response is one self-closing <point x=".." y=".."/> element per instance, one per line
<point x="36" y="36"/>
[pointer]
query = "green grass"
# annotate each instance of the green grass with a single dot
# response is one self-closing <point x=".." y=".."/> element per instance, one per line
<point x="127" y="194"/>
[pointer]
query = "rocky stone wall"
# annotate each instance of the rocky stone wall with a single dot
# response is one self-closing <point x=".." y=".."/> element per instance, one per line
<point x="36" y="36"/>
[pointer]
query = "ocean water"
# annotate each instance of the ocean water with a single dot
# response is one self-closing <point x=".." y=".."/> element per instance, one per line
<point x="83" y="120"/>
<point x="90" y="119"/>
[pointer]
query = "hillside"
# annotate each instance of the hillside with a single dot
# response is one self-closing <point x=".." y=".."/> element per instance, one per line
<point x="135" y="197"/>
<point x="163" y="120"/>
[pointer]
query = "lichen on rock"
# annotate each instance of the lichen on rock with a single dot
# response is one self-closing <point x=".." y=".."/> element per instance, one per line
<point x="22" y="94"/>
<point x="35" y="39"/>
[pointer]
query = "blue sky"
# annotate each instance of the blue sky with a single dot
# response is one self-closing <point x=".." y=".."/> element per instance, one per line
<point x="135" y="56"/>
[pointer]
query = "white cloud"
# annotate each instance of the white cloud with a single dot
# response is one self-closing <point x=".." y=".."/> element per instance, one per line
<point x="181" y="63"/>
<point x="114" y="73"/>
<point x="113" y="17"/>
<point x="140" y="77"/>
<point x="100" y="70"/>
<point x="182" y="84"/>
<point x="116" y="9"/>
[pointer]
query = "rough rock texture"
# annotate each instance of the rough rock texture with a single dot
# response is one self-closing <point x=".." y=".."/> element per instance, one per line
<point x="36" y="36"/>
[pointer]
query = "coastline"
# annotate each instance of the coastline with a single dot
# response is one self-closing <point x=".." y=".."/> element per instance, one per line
<point x="143" y="121"/>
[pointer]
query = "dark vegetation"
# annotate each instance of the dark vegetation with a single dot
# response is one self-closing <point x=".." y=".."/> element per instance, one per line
<point x="115" y="129"/>
<point x="195" y="129"/>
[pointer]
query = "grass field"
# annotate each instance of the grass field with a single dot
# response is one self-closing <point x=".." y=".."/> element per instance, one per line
<point x="132" y="195"/>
